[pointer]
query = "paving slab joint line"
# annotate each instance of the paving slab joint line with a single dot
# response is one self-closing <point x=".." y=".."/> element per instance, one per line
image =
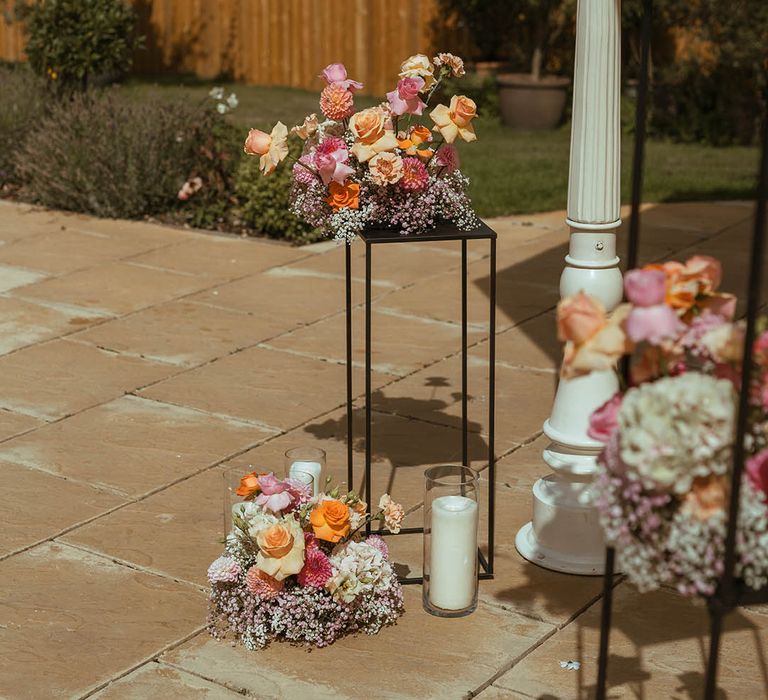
<point x="235" y="689"/>
<point x="143" y="662"/>
<point x="546" y="637"/>
<point x="130" y="565"/>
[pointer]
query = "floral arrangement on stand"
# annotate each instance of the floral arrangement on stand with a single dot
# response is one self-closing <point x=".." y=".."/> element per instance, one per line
<point x="664" y="475"/>
<point x="296" y="568"/>
<point x="381" y="166"/>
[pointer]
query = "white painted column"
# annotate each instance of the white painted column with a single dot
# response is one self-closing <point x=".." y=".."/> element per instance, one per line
<point x="565" y="534"/>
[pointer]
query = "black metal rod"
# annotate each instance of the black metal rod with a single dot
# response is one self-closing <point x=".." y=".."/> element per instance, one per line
<point x="350" y="437"/>
<point x="464" y="381"/>
<point x="715" y="632"/>
<point x="368" y="380"/>
<point x="742" y="425"/>
<point x="492" y="410"/>
<point x="605" y="624"/>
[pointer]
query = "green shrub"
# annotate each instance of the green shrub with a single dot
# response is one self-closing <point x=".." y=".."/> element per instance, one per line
<point x="104" y="154"/>
<point x="265" y="201"/>
<point x="70" y="42"/>
<point x="22" y="107"/>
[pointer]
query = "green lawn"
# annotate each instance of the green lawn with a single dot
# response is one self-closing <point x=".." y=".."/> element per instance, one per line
<point x="516" y="172"/>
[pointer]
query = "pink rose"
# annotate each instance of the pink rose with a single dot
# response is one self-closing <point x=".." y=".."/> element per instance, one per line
<point x="605" y="420"/>
<point x="336" y="74"/>
<point x="333" y="166"/>
<point x="653" y="323"/>
<point x="645" y="287"/>
<point x="405" y="98"/>
<point x="761" y="349"/>
<point x="275" y="495"/>
<point x="757" y="471"/>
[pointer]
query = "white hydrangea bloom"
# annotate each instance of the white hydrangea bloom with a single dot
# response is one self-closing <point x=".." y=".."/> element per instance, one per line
<point x="358" y="568"/>
<point x="255" y="516"/>
<point x="676" y="429"/>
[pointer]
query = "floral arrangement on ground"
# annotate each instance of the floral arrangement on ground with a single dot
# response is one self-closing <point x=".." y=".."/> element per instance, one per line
<point x="664" y="481"/>
<point x="380" y="167"/>
<point x="296" y="568"/>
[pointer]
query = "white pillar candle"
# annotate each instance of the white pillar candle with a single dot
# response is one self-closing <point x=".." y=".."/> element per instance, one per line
<point x="313" y="468"/>
<point x="453" y="553"/>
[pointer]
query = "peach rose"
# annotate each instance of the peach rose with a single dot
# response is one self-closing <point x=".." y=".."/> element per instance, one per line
<point x="600" y="351"/>
<point x="281" y="549"/>
<point x="249" y="485"/>
<point x="456" y="119"/>
<point x="579" y="317"/>
<point x="272" y="148"/>
<point x="707" y="497"/>
<point x="386" y="168"/>
<point x="330" y="520"/>
<point x="307" y="128"/>
<point x="343" y="196"/>
<point x="419" y="66"/>
<point x="370" y="127"/>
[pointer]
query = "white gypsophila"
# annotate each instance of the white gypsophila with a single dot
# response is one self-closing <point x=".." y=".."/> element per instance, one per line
<point x="347" y="223"/>
<point x="676" y="429"/>
<point x="358" y="568"/>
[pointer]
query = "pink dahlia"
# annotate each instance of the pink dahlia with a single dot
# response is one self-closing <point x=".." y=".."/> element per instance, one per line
<point x="300" y="173"/>
<point x="378" y="542"/>
<point x="415" y="177"/>
<point x="317" y="568"/>
<point x="336" y="102"/>
<point x="224" y="570"/>
<point x="757" y="471"/>
<point x="261" y="584"/>
<point x="310" y="541"/>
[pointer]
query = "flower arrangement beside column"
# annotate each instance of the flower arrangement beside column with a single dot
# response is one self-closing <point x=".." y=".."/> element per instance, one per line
<point x="394" y="165"/>
<point x="663" y="482"/>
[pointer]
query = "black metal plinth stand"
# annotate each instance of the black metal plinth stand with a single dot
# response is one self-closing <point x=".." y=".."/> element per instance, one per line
<point x="444" y="232"/>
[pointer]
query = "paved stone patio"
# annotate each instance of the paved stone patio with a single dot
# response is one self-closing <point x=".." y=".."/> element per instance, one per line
<point x="138" y="363"/>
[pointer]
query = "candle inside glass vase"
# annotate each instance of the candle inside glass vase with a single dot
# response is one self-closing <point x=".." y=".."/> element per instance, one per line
<point x="450" y="541"/>
<point x="301" y="461"/>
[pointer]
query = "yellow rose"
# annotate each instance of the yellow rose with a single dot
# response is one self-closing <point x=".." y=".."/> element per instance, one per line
<point x="455" y="120"/>
<point x="419" y="66"/>
<point x="281" y="549"/>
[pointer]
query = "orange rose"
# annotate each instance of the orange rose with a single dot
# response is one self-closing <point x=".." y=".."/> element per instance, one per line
<point x="455" y="120"/>
<point x="281" y="549"/>
<point x="368" y="126"/>
<point x="276" y="541"/>
<point x="420" y="134"/>
<point x="579" y="317"/>
<point x="330" y="521"/>
<point x="707" y="497"/>
<point x="463" y="110"/>
<point x="249" y="486"/>
<point x="343" y="196"/>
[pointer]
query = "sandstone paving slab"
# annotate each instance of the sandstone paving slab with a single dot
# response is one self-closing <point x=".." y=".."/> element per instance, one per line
<point x="399" y="346"/>
<point x="25" y="323"/>
<point x="23" y="221"/>
<point x="421" y="657"/>
<point x="704" y="217"/>
<point x="148" y="234"/>
<point x="12" y="424"/>
<point x="132" y="445"/>
<point x="36" y="506"/>
<point x="439" y="298"/>
<point x="533" y="344"/>
<point x="156" y="680"/>
<point x="176" y="532"/>
<point x="220" y="257"/>
<point x="283" y="296"/>
<point x="277" y="389"/>
<point x="114" y="287"/>
<point x="659" y="645"/>
<point x="521" y="468"/>
<point x="180" y="332"/>
<point x="394" y="265"/>
<point x="61" y="377"/>
<point x="63" y="250"/>
<point x="73" y="620"/>
<point x="523" y="398"/>
<point x="13" y="277"/>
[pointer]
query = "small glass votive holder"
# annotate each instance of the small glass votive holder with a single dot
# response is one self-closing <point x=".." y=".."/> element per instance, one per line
<point x="301" y="462"/>
<point x="234" y="478"/>
<point x="451" y="515"/>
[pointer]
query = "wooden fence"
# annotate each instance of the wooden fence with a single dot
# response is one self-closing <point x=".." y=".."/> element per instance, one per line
<point x="281" y="42"/>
